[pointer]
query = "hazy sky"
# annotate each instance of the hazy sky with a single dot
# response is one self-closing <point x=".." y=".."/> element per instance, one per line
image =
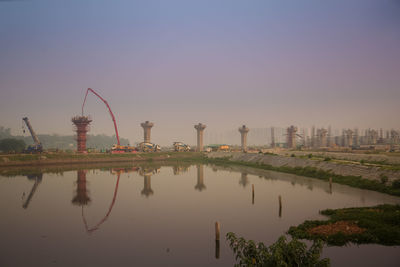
<point x="222" y="63"/>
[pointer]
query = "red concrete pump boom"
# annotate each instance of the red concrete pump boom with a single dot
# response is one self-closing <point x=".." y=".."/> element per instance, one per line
<point x="109" y="109"/>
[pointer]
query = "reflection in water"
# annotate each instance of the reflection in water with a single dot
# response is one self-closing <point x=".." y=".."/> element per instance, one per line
<point x="94" y="228"/>
<point x="82" y="195"/>
<point x="252" y="194"/>
<point x="200" y="178"/>
<point x="147" y="172"/>
<point x="244" y="180"/>
<point x="179" y="169"/>
<point x="217" y="249"/>
<point x="170" y="217"/>
<point x="37" y="178"/>
<point x="124" y="170"/>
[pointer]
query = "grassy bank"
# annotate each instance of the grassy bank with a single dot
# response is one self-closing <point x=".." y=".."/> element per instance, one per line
<point x="378" y="225"/>
<point x="354" y="181"/>
<point x="72" y="158"/>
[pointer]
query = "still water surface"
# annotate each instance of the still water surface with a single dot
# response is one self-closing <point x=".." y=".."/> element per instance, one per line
<point x="164" y="215"/>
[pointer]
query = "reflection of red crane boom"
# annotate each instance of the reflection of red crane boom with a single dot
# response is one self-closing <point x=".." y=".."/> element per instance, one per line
<point x="109" y="109"/>
<point x="94" y="228"/>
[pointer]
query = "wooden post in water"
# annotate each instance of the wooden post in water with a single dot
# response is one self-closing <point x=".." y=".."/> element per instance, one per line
<point x="252" y="190"/>
<point x="330" y="185"/>
<point x="217" y="249"/>
<point x="280" y="206"/>
<point x="217" y="233"/>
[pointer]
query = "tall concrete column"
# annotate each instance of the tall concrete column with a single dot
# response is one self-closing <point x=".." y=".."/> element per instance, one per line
<point x="349" y="138"/>
<point x="272" y="137"/>
<point x="81" y="127"/>
<point x="322" y="140"/>
<point x="291" y="137"/>
<point x="200" y="129"/>
<point x="243" y="132"/>
<point x="147" y="130"/>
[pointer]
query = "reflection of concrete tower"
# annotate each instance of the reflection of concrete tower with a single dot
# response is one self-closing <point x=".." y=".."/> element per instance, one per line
<point x="291" y="137"/>
<point x="81" y="127"/>
<point x="147" y="130"/>
<point x="243" y="132"/>
<point x="200" y="129"/>
<point x="200" y="178"/>
<point x="244" y="180"/>
<point x="147" y="173"/>
<point x="179" y="169"/>
<point x="322" y="140"/>
<point x="272" y="137"/>
<point x="82" y="198"/>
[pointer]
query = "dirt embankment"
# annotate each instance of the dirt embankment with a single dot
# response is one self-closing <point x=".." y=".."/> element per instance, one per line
<point x="367" y="172"/>
<point x="347" y="156"/>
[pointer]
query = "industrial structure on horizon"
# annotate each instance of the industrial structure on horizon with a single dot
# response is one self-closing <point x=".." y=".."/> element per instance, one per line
<point x="291" y="137"/>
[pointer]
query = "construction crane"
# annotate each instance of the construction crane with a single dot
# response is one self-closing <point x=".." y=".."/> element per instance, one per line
<point x="116" y="148"/>
<point x="109" y="109"/>
<point x="37" y="147"/>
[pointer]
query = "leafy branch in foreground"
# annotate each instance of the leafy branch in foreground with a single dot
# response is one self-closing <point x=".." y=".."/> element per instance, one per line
<point x="281" y="253"/>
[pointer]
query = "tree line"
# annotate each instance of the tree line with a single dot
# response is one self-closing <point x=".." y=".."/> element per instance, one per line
<point x="54" y="141"/>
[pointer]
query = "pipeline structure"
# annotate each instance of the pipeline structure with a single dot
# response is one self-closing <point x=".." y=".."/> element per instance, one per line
<point x="82" y="127"/>
<point x="109" y="109"/>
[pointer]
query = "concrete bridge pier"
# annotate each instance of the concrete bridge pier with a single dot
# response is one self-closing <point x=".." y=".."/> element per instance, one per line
<point x="200" y="129"/>
<point x="243" y="132"/>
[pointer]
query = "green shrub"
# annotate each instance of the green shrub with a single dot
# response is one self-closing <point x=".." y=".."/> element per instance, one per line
<point x="327" y="159"/>
<point x="293" y="155"/>
<point x="309" y="156"/>
<point x="281" y="253"/>
<point x="383" y="179"/>
<point x="396" y="184"/>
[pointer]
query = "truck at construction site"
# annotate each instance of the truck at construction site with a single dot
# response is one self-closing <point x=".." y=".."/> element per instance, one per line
<point x="179" y="146"/>
<point x="116" y="149"/>
<point x="148" y="147"/>
<point x="219" y="147"/>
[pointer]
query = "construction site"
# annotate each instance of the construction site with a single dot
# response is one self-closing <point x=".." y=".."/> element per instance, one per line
<point x="272" y="139"/>
<point x="322" y="165"/>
